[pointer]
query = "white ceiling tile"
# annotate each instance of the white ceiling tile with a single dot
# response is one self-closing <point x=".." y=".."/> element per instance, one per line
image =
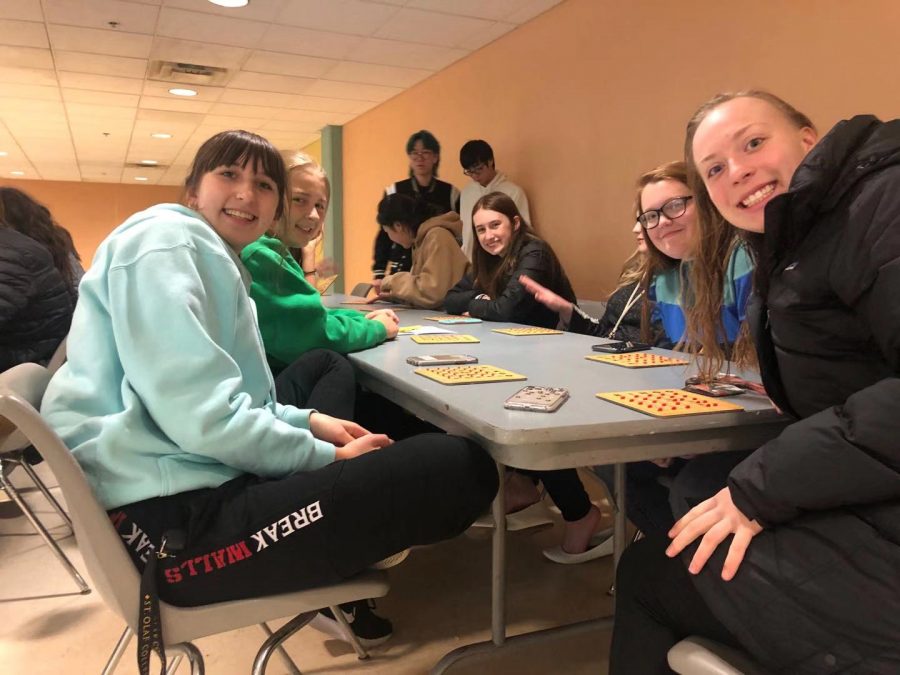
<point x="177" y="23"/>
<point x="277" y="127"/>
<point x="288" y="64"/>
<point x="430" y="28"/>
<point x="480" y="38"/>
<point x="100" y="172"/>
<point x="531" y="10"/>
<point x="243" y="111"/>
<point x="265" y="10"/>
<point x="266" y="82"/>
<point x="15" y="75"/>
<point x="26" y="57"/>
<point x="43" y="133"/>
<point x="31" y="91"/>
<point x="369" y="73"/>
<point x="98" y="152"/>
<point x="232" y="121"/>
<point x="40" y="153"/>
<point x="295" y="40"/>
<point x="283" y="118"/>
<point x="182" y="120"/>
<point x="23" y="34"/>
<point x="100" y="112"/>
<point x="274" y="100"/>
<point x="160" y="88"/>
<point x="23" y="10"/>
<point x="202" y="53"/>
<point x="365" y="92"/>
<point x="101" y="64"/>
<point x="100" y="98"/>
<point x="339" y="16"/>
<point x="173" y="104"/>
<point x="129" y="17"/>
<point x="407" y="54"/>
<point x="120" y="85"/>
<point x="481" y="9"/>
<point x="61" y="171"/>
<point x="90" y="40"/>
<point x="29" y="110"/>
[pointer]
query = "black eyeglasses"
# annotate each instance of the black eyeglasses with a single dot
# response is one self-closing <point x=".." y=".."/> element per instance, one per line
<point x="672" y="209"/>
<point x="476" y="168"/>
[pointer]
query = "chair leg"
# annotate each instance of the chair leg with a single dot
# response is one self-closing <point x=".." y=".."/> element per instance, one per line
<point x="41" y="530"/>
<point x="351" y="636"/>
<point x="191" y="653"/>
<point x="118" y="650"/>
<point x="276" y="638"/>
<point x="46" y="492"/>
<point x="288" y="661"/>
<point x="172" y="665"/>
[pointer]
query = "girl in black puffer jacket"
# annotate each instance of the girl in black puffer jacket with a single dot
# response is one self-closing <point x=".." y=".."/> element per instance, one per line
<point x="797" y="558"/>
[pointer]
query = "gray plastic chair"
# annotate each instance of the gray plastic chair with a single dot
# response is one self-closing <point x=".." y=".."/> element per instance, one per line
<point x="115" y="576"/>
<point x="699" y="656"/>
<point x="361" y="289"/>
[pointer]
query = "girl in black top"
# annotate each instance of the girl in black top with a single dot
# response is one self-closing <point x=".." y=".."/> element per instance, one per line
<point x="508" y="248"/>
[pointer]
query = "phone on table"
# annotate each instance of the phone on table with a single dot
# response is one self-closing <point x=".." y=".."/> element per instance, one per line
<point x="621" y="347"/>
<point x="441" y="360"/>
<point x="714" y="389"/>
<point x="537" y="399"/>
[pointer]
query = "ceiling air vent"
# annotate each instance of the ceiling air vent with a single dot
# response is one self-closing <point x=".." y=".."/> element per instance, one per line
<point x="187" y="73"/>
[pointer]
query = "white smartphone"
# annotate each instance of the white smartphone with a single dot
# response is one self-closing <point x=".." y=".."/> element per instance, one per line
<point x="537" y="399"/>
<point x="441" y="360"/>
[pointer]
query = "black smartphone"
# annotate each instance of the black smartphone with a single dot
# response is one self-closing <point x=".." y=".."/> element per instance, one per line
<point x="621" y="347"/>
<point x="716" y="389"/>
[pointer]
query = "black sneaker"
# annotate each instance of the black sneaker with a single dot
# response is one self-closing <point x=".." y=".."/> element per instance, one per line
<point x="370" y="629"/>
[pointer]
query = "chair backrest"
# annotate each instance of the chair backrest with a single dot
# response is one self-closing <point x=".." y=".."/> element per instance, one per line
<point x="361" y="289"/>
<point x="114" y="575"/>
<point x="58" y="358"/>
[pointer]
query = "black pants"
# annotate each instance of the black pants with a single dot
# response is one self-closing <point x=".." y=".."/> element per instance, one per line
<point x="320" y="379"/>
<point x="566" y="490"/>
<point x="650" y="488"/>
<point x="657" y="606"/>
<point x="254" y="536"/>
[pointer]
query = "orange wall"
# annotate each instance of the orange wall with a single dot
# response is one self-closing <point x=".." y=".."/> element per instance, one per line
<point x="90" y="211"/>
<point x="580" y="101"/>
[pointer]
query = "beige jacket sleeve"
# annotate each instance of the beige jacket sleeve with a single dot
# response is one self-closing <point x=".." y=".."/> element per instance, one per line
<point x="438" y="263"/>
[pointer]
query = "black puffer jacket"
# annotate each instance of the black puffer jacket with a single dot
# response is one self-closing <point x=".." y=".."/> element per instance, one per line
<point x="515" y="303"/>
<point x="36" y="304"/>
<point x="819" y="590"/>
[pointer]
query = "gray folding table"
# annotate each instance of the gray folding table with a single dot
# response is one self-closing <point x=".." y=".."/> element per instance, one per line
<point x="585" y="431"/>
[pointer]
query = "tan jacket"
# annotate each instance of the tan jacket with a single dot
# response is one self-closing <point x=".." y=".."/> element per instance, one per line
<point x="437" y="264"/>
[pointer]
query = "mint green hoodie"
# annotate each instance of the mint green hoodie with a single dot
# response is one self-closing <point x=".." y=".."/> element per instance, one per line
<point x="166" y="388"/>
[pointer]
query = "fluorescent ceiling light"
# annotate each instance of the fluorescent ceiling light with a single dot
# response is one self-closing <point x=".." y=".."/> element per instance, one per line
<point x="17" y="173"/>
<point x="141" y="178"/>
<point x="183" y="92"/>
<point x="3" y="153"/>
<point x="161" y="135"/>
<point x="230" y="3"/>
<point x="149" y="162"/>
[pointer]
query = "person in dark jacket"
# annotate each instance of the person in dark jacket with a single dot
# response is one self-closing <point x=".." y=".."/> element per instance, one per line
<point x="424" y="154"/>
<point x="39" y="273"/>
<point x="508" y="248"/>
<point x="797" y="558"/>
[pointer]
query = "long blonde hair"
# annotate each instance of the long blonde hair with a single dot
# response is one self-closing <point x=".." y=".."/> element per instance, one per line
<point x="718" y="239"/>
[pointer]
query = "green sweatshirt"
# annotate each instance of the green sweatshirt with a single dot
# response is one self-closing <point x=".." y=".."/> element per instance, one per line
<point x="292" y="319"/>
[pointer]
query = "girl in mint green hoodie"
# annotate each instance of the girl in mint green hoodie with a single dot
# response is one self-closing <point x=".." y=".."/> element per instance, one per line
<point x="168" y="405"/>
